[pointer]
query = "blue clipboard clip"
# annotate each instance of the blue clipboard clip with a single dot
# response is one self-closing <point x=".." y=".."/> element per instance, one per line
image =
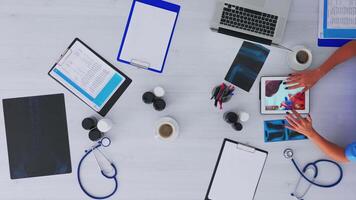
<point x="140" y="64"/>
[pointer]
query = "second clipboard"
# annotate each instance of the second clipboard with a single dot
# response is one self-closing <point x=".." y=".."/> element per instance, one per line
<point x="237" y="172"/>
<point x="148" y="34"/>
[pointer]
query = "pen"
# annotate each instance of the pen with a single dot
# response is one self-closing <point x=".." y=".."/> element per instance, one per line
<point x="216" y="91"/>
<point x="218" y="97"/>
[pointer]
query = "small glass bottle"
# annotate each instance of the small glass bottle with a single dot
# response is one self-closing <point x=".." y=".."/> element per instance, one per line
<point x="95" y="134"/>
<point x="89" y="123"/>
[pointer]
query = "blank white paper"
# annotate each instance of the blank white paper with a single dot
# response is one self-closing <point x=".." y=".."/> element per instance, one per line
<point x="148" y="35"/>
<point x="237" y="174"/>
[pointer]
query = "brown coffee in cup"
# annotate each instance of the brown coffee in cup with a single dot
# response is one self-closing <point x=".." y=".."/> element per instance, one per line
<point x="165" y="130"/>
<point x="302" y="57"/>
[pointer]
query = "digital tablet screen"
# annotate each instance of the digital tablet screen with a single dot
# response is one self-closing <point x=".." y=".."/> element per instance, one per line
<point x="89" y="76"/>
<point x="275" y="98"/>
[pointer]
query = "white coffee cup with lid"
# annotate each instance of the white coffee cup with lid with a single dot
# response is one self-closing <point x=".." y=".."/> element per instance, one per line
<point x="167" y="129"/>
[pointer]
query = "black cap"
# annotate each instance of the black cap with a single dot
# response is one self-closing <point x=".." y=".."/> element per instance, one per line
<point x="230" y="117"/>
<point x="89" y="123"/>
<point x="237" y="126"/>
<point x="95" y="134"/>
<point x="148" y="97"/>
<point x="159" y="104"/>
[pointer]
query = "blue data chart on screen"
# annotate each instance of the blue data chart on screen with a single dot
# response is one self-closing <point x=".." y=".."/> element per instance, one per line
<point x="104" y="94"/>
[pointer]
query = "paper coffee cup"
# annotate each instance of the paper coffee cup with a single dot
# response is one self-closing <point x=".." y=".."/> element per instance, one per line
<point x="300" y="58"/>
<point x="166" y="129"/>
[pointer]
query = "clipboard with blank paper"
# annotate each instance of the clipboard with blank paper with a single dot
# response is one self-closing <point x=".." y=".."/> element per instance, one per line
<point x="237" y="172"/>
<point x="148" y="34"/>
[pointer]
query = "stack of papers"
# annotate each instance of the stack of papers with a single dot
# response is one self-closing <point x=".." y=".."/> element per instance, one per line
<point x="337" y="22"/>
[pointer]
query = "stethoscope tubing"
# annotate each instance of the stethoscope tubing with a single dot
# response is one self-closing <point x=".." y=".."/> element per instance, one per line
<point x="314" y="164"/>
<point x="87" y="152"/>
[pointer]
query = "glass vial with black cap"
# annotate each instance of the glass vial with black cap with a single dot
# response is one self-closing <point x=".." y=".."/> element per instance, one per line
<point x="95" y="134"/>
<point x="148" y="97"/>
<point x="237" y="126"/>
<point x="89" y="123"/>
<point x="159" y="104"/>
<point x="233" y="119"/>
<point x="230" y="117"/>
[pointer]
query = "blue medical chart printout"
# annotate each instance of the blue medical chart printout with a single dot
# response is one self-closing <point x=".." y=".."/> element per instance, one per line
<point x="87" y="76"/>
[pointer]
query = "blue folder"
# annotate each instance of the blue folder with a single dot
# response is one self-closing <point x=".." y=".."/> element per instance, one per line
<point x="335" y="33"/>
<point x="146" y="64"/>
<point x="332" y="42"/>
<point x="333" y="37"/>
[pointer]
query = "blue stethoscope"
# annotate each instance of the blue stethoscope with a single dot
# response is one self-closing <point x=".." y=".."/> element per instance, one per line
<point x="104" y="142"/>
<point x="312" y="167"/>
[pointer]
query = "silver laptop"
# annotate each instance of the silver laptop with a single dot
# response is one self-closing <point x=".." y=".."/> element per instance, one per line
<point x="260" y="21"/>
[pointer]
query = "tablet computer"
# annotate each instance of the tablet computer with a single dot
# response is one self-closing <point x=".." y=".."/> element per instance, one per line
<point x="276" y="99"/>
<point x="90" y="77"/>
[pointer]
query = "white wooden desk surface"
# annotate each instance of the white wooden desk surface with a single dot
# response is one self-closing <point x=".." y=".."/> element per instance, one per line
<point x="34" y="33"/>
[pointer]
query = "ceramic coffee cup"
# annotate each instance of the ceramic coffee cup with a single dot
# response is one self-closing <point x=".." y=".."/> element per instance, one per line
<point x="300" y="58"/>
<point x="166" y="129"/>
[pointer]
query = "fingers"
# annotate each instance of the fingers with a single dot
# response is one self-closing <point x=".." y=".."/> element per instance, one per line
<point x="290" y="82"/>
<point x="293" y="78"/>
<point x="309" y="119"/>
<point x="305" y="89"/>
<point x="292" y="121"/>
<point x="293" y="82"/>
<point x="291" y="128"/>
<point x="300" y="119"/>
<point x="294" y="86"/>
<point x="296" y="114"/>
<point x="295" y="74"/>
<point x="291" y="124"/>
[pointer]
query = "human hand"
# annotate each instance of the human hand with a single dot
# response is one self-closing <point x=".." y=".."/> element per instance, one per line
<point x="306" y="79"/>
<point x="299" y="124"/>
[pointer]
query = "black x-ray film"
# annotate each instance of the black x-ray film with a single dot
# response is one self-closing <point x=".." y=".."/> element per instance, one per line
<point x="37" y="136"/>
<point x="247" y="65"/>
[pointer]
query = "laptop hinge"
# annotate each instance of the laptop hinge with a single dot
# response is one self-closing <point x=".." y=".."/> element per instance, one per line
<point x="244" y="36"/>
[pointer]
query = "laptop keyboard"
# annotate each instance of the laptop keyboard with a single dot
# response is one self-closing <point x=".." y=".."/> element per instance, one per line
<point x="249" y="20"/>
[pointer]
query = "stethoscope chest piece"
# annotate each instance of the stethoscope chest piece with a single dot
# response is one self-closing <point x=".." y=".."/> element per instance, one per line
<point x="105" y="142"/>
<point x="288" y="153"/>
